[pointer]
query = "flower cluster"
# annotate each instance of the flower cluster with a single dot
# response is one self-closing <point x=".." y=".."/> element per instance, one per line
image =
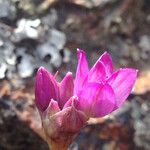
<point x="94" y="93"/>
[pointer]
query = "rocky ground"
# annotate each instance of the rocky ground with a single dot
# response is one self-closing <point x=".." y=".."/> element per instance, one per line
<point x="47" y="33"/>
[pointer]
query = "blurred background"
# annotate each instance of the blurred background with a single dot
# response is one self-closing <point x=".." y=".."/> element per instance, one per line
<point x="36" y="33"/>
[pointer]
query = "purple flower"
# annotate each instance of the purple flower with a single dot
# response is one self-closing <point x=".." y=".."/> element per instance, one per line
<point x="100" y="90"/>
<point x="94" y="93"/>
<point x="57" y="107"/>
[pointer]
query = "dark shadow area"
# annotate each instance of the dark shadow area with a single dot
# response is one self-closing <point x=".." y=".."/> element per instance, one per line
<point x="15" y="134"/>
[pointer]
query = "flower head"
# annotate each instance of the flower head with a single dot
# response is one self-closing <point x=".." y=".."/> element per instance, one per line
<point x="100" y="90"/>
<point x="94" y="93"/>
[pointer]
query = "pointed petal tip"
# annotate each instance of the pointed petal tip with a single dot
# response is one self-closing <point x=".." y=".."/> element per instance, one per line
<point x="78" y="49"/>
<point x="106" y="56"/>
<point x="42" y="72"/>
<point x="105" y="53"/>
<point x="129" y="70"/>
<point x="137" y="70"/>
<point x="41" y="69"/>
<point x="106" y="59"/>
<point x="53" y="101"/>
<point x="72" y="102"/>
<point x="97" y="73"/>
<point x="52" y="108"/>
<point x="80" y="52"/>
<point x="67" y="77"/>
<point x="69" y="73"/>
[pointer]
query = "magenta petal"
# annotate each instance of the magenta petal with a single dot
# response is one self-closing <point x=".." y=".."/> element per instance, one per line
<point x="97" y="73"/>
<point x="73" y="101"/>
<point x="107" y="61"/>
<point x="122" y="83"/>
<point x="97" y="100"/>
<point x="75" y="118"/>
<point x="45" y="89"/>
<point x="104" y="103"/>
<point x="52" y="109"/>
<point x="64" y="123"/>
<point x="66" y="89"/>
<point x="87" y="96"/>
<point x="82" y="71"/>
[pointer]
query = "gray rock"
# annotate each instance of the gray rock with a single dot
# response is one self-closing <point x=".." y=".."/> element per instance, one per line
<point x="57" y="38"/>
<point x="27" y="29"/>
<point x="3" y="68"/>
<point x="50" y="54"/>
<point x="8" y="10"/>
<point x="26" y="68"/>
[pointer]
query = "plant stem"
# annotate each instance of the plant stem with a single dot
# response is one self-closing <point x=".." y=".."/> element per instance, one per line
<point x="59" y="145"/>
